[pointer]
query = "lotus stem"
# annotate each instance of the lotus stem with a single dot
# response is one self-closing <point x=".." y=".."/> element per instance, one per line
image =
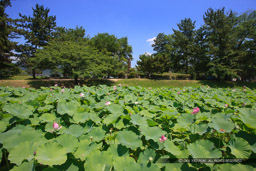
<point x="5" y="156"/>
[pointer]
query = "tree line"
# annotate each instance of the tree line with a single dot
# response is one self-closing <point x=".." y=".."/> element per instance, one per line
<point x="63" y="50"/>
<point x="223" y="48"/>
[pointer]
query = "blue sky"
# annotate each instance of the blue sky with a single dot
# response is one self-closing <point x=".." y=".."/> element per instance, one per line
<point x="139" y="20"/>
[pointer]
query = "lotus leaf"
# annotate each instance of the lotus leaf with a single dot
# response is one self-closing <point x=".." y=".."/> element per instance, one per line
<point x="204" y="149"/>
<point x="69" y="142"/>
<point x="96" y="134"/>
<point x="20" y="110"/>
<point x="198" y="129"/>
<point x="81" y="117"/>
<point x="129" y="139"/>
<point x="45" y="108"/>
<point x="118" y="150"/>
<point x="240" y="147"/>
<point x="3" y="125"/>
<point x="138" y="120"/>
<point x="126" y="164"/>
<point x="147" y="156"/>
<point x="24" y="166"/>
<point x="110" y="119"/>
<point x="84" y="148"/>
<point x="153" y="133"/>
<point x="185" y="119"/>
<point x="222" y="124"/>
<point x="248" y="117"/>
<point x="51" y="154"/>
<point x="98" y="161"/>
<point x="21" y="152"/>
<point x="171" y="148"/>
<point x="69" y="108"/>
<point x="47" y="117"/>
<point x="74" y="130"/>
<point x="115" y="109"/>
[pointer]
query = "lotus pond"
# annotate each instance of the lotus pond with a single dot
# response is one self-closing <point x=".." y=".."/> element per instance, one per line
<point x="127" y="128"/>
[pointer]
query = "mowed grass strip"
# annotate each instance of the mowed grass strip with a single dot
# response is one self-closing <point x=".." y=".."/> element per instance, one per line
<point x="69" y="83"/>
<point x="159" y="83"/>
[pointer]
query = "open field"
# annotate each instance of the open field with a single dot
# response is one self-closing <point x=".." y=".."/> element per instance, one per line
<point x="25" y="81"/>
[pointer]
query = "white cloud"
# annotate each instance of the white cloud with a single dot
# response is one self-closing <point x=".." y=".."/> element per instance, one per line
<point x="148" y="53"/>
<point x="151" y="41"/>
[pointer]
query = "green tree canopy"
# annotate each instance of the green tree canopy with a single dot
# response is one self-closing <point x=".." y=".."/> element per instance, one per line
<point x="221" y="40"/>
<point x="184" y="40"/>
<point x="37" y="31"/>
<point x="7" y="67"/>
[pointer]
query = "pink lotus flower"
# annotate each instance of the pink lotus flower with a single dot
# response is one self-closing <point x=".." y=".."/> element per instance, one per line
<point x="50" y="89"/>
<point x="56" y="85"/>
<point x="245" y="90"/>
<point x="114" y="87"/>
<point x="107" y="103"/>
<point x="178" y="93"/>
<point x="226" y="105"/>
<point x="195" y="110"/>
<point x="120" y="85"/>
<point x="62" y="90"/>
<point x="162" y="139"/>
<point x="56" y="126"/>
<point x="81" y="94"/>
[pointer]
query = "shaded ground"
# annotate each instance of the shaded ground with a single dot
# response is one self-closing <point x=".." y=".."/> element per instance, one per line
<point x="51" y="82"/>
<point x="37" y="83"/>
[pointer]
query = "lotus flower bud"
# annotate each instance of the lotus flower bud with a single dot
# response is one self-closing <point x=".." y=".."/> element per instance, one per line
<point x="163" y="139"/>
<point x="150" y="159"/>
<point x="195" y="110"/>
<point x="56" y="126"/>
<point x="107" y="103"/>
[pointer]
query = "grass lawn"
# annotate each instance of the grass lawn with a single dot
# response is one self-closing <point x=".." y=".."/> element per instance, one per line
<point x="27" y="81"/>
<point x="19" y="77"/>
<point x="159" y="83"/>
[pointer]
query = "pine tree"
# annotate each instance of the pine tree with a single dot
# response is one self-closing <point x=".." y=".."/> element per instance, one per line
<point x="7" y="67"/>
<point x="38" y="31"/>
<point x="221" y="40"/>
<point x="184" y="43"/>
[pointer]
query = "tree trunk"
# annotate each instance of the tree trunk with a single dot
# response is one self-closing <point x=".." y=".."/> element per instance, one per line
<point x="76" y="79"/>
<point x="34" y="73"/>
<point x="186" y="67"/>
<point x="129" y="64"/>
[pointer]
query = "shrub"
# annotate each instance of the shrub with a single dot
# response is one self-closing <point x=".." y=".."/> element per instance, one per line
<point x="121" y="74"/>
<point x="132" y="75"/>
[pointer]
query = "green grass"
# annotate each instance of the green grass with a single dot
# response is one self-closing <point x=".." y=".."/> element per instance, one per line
<point x="20" y="77"/>
<point x="184" y="83"/>
<point x="27" y="81"/>
<point x="159" y="83"/>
